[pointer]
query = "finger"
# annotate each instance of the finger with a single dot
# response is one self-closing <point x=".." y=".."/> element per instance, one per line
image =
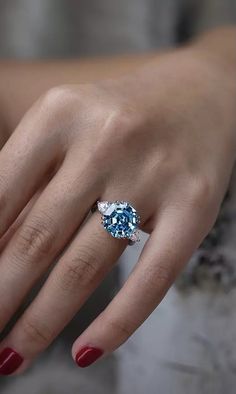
<point x="18" y="222"/>
<point x="55" y="217"/>
<point x="167" y="250"/>
<point x="90" y="256"/>
<point x="26" y="159"/>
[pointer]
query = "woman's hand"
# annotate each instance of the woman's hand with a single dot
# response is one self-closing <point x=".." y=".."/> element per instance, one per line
<point x="161" y="138"/>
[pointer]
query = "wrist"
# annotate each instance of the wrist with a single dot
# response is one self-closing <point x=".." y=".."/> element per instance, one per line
<point x="219" y="46"/>
<point x="216" y="49"/>
<point x="220" y="75"/>
<point x="207" y="90"/>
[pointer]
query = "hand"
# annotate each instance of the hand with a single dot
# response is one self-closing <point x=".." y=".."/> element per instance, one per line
<point x="161" y="138"/>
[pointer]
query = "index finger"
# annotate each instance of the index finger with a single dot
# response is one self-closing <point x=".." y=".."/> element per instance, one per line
<point x="26" y="158"/>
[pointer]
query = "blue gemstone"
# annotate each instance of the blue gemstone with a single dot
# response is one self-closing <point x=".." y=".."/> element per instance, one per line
<point x="120" y="219"/>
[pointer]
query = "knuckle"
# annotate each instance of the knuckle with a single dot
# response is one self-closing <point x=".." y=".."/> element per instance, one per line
<point x="201" y="192"/>
<point x="124" y="123"/>
<point x="53" y="113"/>
<point x="159" y="278"/>
<point x="58" y="97"/>
<point x="57" y="106"/>
<point x="36" y="333"/>
<point x="80" y="271"/>
<point x="35" y="240"/>
<point x="121" y="329"/>
<point x="118" y="131"/>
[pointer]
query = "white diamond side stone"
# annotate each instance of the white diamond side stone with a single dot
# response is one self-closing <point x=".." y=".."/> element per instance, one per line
<point x="103" y="206"/>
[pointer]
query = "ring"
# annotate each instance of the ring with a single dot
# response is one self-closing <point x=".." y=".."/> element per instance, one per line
<point x="120" y="219"/>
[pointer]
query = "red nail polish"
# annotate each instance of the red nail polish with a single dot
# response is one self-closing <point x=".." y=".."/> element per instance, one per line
<point x="9" y="361"/>
<point x="87" y="355"/>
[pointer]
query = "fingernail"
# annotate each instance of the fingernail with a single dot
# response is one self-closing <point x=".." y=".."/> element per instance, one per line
<point x="9" y="361"/>
<point x="87" y="355"/>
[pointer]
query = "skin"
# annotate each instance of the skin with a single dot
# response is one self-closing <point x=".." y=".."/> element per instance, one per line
<point x="170" y="120"/>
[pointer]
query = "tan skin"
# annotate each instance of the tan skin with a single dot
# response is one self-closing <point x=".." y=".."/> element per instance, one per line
<point x="170" y="120"/>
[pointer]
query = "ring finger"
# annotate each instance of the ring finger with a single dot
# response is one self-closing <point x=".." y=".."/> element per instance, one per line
<point x="50" y="224"/>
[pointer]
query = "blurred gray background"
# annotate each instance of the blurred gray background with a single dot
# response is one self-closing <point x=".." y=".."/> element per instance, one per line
<point x="61" y="28"/>
<point x="188" y="344"/>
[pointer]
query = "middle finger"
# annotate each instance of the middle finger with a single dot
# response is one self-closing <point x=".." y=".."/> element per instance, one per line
<point x="91" y="255"/>
<point x="50" y="224"/>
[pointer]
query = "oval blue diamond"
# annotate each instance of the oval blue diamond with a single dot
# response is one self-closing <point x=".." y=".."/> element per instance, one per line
<point x="120" y="219"/>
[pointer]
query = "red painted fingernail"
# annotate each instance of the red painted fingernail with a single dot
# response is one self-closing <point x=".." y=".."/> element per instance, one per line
<point x="9" y="361"/>
<point x="87" y="355"/>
